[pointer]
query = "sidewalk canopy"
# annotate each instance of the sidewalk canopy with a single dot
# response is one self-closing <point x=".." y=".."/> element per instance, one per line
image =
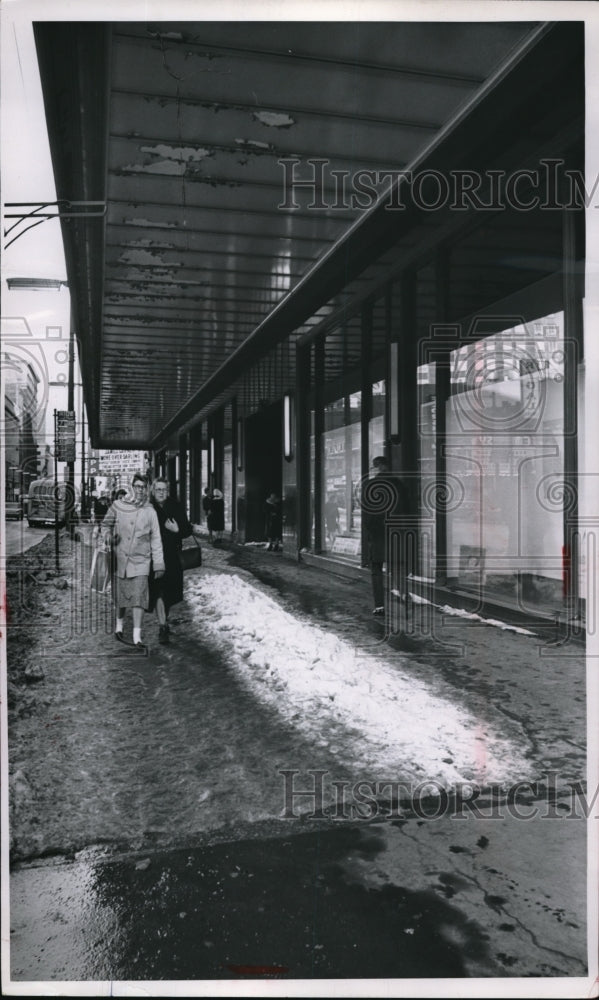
<point x="195" y="136"/>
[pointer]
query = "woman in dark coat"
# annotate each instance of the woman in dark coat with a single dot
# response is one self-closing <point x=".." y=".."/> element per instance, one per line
<point x="206" y="505"/>
<point x="174" y="527"/>
<point x="273" y="526"/>
<point x="216" y="515"/>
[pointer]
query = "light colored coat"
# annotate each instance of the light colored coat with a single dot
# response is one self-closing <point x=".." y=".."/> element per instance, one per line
<point x="135" y="535"/>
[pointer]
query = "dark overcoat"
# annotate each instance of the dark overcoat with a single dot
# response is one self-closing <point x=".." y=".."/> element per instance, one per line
<point x="170" y="586"/>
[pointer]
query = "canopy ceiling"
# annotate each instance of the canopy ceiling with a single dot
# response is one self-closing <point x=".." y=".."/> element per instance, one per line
<point x="180" y="128"/>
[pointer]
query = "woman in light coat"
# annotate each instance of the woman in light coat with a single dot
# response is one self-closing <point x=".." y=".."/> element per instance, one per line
<point x="131" y="527"/>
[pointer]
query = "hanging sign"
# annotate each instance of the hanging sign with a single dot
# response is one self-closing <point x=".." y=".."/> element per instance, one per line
<point x="65" y="435"/>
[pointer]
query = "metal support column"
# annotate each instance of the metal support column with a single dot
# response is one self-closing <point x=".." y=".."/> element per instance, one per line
<point x="302" y="444"/>
<point x="573" y="342"/>
<point x="442" y="391"/>
<point x="318" y="439"/>
<point x="366" y="408"/>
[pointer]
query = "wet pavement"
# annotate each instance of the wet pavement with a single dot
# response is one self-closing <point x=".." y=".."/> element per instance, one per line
<point x="273" y="908"/>
<point x="158" y="786"/>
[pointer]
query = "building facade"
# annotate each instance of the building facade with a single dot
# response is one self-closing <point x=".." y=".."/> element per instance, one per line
<point x="21" y="420"/>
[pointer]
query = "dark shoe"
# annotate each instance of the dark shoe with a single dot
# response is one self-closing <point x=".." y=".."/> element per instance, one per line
<point x="379" y="612"/>
<point x="140" y="648"/>
<point x="120" y="637"/>
<point x="163" y="634"/>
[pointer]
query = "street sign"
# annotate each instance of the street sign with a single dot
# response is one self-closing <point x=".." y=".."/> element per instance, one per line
<point x="65" y="435"/>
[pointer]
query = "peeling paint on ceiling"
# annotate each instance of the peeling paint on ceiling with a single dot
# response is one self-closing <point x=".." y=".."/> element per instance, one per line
<point x="254" y="144"/>
<point x="143" y="257"/>
<point x="274" y="119"/>
<point x="160" y="272"/>
<point x="179" y="153"/>
<point x="174" y="36"/>
<point x="150" y="224"/>
<point x="161" y="167"/>
<point x="150" y="243"/>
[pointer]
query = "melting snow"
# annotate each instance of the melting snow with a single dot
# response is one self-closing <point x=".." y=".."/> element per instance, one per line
<point x="322" y="684"/>
<point x="447" y="609"/>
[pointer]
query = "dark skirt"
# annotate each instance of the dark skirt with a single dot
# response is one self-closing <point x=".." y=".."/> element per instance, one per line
<point x="170" y="586"/>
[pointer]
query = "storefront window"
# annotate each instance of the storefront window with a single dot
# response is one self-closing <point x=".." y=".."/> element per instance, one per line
<point x="341" y="524"/>
<point x="505" y="425"/>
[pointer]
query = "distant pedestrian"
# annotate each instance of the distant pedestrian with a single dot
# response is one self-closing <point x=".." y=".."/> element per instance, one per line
<point x="383" y="495"/>
<point x="216" y="516"/>
<point x="273" y="526"/>
<point x="131" y="527"/>
<point x="100" y="507"/>
<point x="331" y="518"/>
<point x="174" y="527"/>
<point x="206" y="505"/>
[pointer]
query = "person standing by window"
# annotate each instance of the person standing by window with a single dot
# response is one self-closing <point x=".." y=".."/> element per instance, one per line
<point x="383" y="495"/>
<point x="331" y="518"/>
<point x="273" y="522"/>
<point x="206" y="505"/>
<point x="216" y="517"/>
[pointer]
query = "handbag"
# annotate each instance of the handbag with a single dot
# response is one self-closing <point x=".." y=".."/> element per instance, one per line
<point x="191" y="557"/>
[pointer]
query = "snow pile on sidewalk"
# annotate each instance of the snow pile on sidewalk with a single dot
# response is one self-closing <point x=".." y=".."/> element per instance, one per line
<point x="366" y="707"/>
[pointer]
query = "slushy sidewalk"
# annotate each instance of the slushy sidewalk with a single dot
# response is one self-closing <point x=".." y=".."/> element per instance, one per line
<point x="276" y="666"/>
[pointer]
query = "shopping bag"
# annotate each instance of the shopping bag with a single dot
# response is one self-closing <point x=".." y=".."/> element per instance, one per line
<point x="99" y="575"/>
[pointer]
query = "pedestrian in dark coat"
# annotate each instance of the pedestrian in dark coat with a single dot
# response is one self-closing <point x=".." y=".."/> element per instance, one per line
<point x="174" y="527"/>
<point x="382" y="496"/>
<point x="216" y="516"/>
<point x="206" y="505"/>
<point x="273" y="526"/>
<point x="101" y="505"/>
